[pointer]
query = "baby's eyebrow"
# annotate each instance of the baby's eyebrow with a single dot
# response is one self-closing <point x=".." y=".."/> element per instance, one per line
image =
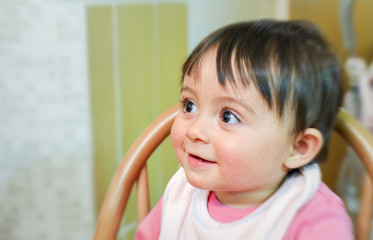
<point x="187" y="89"/>
<point x="237" y="101"/>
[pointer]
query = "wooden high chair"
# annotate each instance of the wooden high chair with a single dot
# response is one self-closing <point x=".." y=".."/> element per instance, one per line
<point x="133" y="168"/>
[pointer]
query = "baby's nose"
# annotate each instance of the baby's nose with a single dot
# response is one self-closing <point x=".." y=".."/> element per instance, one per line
<point x="198" y="130"/>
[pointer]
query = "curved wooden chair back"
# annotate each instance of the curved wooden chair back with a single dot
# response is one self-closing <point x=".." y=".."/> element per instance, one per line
<point x="133" y="169"/>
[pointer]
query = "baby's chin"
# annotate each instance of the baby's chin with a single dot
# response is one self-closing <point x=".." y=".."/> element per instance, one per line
<point x="197" y="182"/>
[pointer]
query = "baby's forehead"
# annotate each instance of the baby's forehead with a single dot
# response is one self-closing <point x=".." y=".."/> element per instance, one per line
<point x="233" y="85"/>
<point x="238" y="89"/>
<point x="227" y="71"/>
<point x="227" y="90"/>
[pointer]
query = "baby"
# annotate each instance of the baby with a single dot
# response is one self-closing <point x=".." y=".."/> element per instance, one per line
<point x="258" y="104"/>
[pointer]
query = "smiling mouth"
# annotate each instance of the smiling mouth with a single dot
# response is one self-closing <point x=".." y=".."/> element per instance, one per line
<point x="200" y="159"/>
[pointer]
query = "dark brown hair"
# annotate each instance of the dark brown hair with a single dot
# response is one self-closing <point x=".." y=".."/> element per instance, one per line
<point x="290" y="64"/>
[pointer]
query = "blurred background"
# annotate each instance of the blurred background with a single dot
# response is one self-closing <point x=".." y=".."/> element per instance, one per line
<point x="80" y="80"/>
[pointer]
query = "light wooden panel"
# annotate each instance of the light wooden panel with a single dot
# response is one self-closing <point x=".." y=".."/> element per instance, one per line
<point x="136" y="53"/>
<point x="100" y="54"/>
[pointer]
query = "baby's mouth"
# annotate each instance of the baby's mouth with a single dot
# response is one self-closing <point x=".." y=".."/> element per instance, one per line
<point x="200" y="159"/>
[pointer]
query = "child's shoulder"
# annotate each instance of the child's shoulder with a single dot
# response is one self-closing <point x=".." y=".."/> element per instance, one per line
<point x="326" y="196"/>
<point x="323" y="217"/>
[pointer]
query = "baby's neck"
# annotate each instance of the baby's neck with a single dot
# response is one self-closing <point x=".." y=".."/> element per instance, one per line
<point x="245" y="199"/>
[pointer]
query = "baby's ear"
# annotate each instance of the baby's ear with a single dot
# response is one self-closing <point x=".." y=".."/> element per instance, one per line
<point x="306" y="146"/>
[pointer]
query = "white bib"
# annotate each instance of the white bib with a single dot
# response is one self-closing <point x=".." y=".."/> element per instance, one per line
<point x="185" y="214"/>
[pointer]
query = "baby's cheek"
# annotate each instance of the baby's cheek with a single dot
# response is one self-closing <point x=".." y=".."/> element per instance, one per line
<point x="231" y="150"/>
<point x="175" y="132"/>
<point x="177" y="138"/>
<point x="235" y="155"/>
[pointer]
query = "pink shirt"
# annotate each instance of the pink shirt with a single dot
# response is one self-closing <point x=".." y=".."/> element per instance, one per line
<point x="323" y="217"/>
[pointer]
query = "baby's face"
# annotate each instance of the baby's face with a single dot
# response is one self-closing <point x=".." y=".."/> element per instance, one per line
<point x="228" y="140"/>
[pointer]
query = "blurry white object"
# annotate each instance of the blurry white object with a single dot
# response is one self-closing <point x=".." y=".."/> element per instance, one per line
<point x="351" y="171"/>
<point x="355" y="68"/>
<point x="366" y="96"/>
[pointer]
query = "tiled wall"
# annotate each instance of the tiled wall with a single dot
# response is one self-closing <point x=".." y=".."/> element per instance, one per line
<point x="45" y="146"/>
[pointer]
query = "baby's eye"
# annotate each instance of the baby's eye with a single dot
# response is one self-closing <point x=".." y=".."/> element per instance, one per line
<point x="227" y="116"/>
<point x="189" y="106"/>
